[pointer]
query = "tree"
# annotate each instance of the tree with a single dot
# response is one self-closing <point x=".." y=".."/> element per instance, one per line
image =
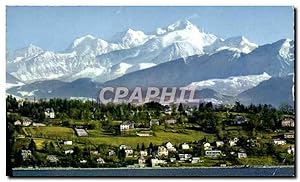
<point x="32" y="145"/>
<point x="143" y="146"/>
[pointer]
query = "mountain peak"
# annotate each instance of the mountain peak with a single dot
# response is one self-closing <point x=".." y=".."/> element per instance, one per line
<point x="130" y="38"/>
<point x="239" y="39"/>
<point x="180" y="25"/>
<point x="77" y="41"/>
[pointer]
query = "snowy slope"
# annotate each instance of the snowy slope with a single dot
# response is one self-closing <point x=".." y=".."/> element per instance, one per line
<point x="239" y="44"/>
<point x="231" y="86"/>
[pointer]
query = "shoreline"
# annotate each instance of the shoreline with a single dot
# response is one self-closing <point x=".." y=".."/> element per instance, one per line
<point x="145" y="168"/>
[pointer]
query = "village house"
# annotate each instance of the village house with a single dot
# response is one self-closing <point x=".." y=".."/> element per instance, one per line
<point x="162" y="151"/>
<point x="94" y="152"/>
<point x="291" y="150"/>
<point x="279" y="142"/>
<point x="219" y="143"/>
<point x="100" y="160"/>
<point x="17" y="123"/>
<point x="20" y="136"/>
<point x="68" y="142"/>
<point x="141" y="161"/>
<point x="52" y="158"/>
<point x="155" y="162"/>
<point x="26" y="154"/>
<point x="185" y="146"/>
<point x="242" y="155"/>
<point x="207" y="146"/>
<point x="184" y="157"/>
<point x="126" y="126"/>
<point x="81" y="132"/>
<point x="213" y="153"/>
<point x="26" y="121"/>
<point x="172" y="159"/>
<point x="83" y="161"/>
<point x="69" y="151"/>
<point x="143" y="153"/>
<point x="154" y="122"/>
<point x="289" y="135"/>
<point x="171" y="121"/>
<point x="233" y="142"/>
<point x="288" y="122"/>
<point x="170" y="147"/>
<point x="38" y="124"/>
<point x="128" y="150"/>
<point x="49" y="112"/>
<point x="195" y="160"/>
<point x="111" y="153"/>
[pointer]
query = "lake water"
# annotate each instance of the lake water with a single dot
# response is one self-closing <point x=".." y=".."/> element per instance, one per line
<point x="285" y="171"/>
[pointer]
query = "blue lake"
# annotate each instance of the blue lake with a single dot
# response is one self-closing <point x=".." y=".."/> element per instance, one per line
<point x="284" y="171"/>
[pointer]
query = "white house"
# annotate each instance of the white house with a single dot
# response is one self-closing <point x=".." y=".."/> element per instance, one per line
<point x="172" y="159"/>
<point x="289" y="135"/>
<point x="122" y="147"/>
<point x="185" y="146"/>
<point x="155" y="162"/>
<point x="38" y="124"/>
<point x="126" y="125"/>
<point x="83" y="161"/>
<point x="143" y="153"/>
<point x="141" y="161"/>
<point x="279" y="142"/>
<point x="26" y="122"/>
<point x="219" y="143"/>
<point x="128" y="152"/>
<point x="184" y="157"/>
<point x="213" y="153"/>
<point x="195" y="160"/>
<point x="49" y="112"/>
<point x="207" y="146"/>
<point x="68" y="142"/>
<point x="233" y="142"/>
<point x="242" y="155"/>
<point x="111" y="153"/>
<point x="69" y="151"/>
<point x="17" y="123"/>
<point x="291" y="150"/>
<point x="100" y="161"/>
<point x="162" y="151"/>
<point x="170" y="147"/>
<point x="288" y="122"/>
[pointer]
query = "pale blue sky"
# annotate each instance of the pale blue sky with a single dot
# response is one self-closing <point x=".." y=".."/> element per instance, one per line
<point x="54" y="28"/>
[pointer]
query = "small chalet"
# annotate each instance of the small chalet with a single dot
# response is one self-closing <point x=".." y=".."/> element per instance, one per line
<point x="126" y="126"/>
<point x="49" y="112"/>
<point x="288" y="122"/>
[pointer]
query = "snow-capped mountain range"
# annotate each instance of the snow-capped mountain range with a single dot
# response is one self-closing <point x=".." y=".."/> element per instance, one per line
<point x="126" y="52"/>
<point x="180" y="54"/>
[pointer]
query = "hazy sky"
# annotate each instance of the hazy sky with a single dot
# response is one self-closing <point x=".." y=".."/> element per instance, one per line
<point x="54" y="28"/>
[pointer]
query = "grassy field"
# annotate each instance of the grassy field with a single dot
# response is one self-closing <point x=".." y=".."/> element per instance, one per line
<point x="263" y="160"/>
<point x="98" y="137"/>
